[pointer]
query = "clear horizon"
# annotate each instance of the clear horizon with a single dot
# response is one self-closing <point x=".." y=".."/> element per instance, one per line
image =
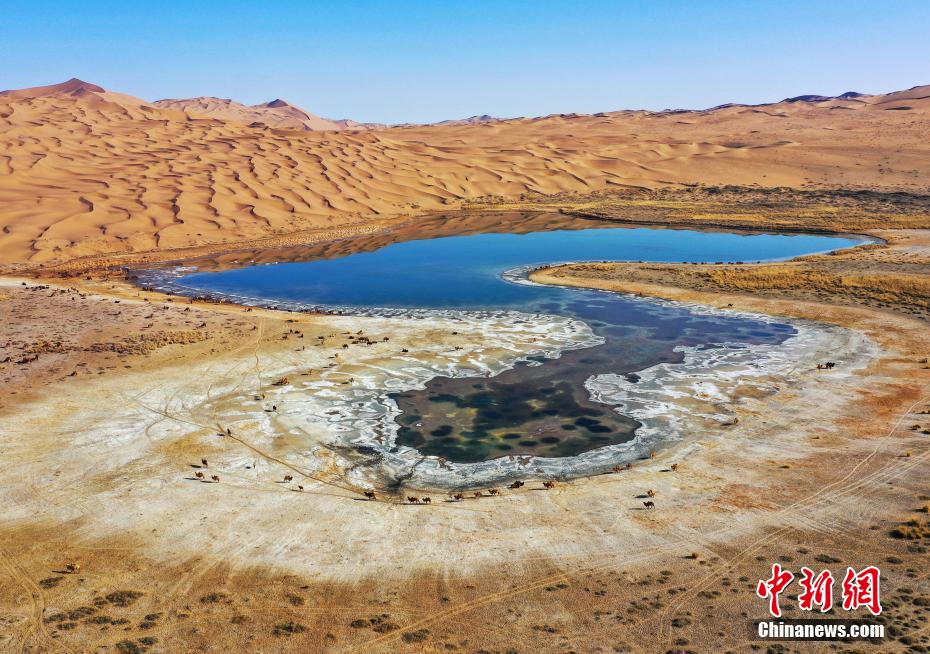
<point x="417" y="62"/>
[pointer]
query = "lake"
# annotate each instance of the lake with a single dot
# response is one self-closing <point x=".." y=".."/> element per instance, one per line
<point x="541" y="407"/>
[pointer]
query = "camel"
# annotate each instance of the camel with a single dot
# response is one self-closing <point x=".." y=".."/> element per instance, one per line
<point x="71" y="568"/>
<point x="617" y="468"/>
<point x="288" y="478"/>
<point x="651" y="493"/>
<point x="370" y="495"/>
<point x="215" y="478"/>
<point x="674" y="467"/>
<point x="458" y="497"/>
<point x="299" y="487"/>
<point x="427" y="500"/>
<point x="652" y="454"/>
<point x="203" y="462"/>
<point x="199" y="475"/>
<point x="479" y="494"/>
<point x="548" y="484"/>
<point x="517" y="484"/>
<point x="494" y="491"/>
<point x="413" y="500"/>
<point x="649" y="505"/>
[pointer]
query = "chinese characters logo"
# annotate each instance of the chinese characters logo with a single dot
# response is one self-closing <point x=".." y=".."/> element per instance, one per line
<point x="859" y="589"/>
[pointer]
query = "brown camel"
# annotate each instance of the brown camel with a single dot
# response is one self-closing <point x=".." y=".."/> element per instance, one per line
<point x="649" y="505"/>
<point x="651" y="493"/>
<point x="199" y="475"/>
<point x="215" y="478"/>
<point x="427" y="500"/>
<point x="203" y="462"/>
<point x="493" y="491"/>
<point x="299" y="487"/>
<point x="71" y="568"/>
<point x="479" y="494"/>
<point x="617" y="468"/>
<point x="458" y="497"/>
<point x="517" y="484"/>
<point x="370" y="495"/>
<point x="548" y="484"/>
<point x="288" y="478"/>
<point x="413" y="500"/>
<point x="674" y="467"/>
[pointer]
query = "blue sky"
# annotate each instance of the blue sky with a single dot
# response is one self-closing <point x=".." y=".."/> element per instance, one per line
<point x="427" y="61"/>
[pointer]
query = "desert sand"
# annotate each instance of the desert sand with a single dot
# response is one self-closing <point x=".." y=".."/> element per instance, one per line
<point x="84" y="171"/>
<point x="275" y="113"/>
<point x="111" y="396"/>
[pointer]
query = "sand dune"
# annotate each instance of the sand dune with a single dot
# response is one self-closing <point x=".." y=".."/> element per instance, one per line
<point x="85" y="171"/>
<point x="277" y="113"/>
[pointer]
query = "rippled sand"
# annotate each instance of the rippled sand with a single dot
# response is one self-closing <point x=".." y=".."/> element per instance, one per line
<point x="84" y="171"/>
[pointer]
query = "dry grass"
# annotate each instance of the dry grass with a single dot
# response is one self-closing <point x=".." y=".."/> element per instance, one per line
<point x="892" y="276"/>
<point x="890" y="288"/>
<point x="914" y="529"/>
<point x="759" y="208"/>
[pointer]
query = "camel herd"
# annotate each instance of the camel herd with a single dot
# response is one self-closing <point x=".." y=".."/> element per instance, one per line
<point x="370" y="495"/>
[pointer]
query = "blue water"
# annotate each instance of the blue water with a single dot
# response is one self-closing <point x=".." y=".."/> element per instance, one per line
<point x="464" y="271"/>
<point x="542" y="410"/>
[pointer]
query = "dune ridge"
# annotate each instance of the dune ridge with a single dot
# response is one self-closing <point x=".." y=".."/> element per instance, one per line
<point x="277" y="113"/>
<point x="85" y="171"/>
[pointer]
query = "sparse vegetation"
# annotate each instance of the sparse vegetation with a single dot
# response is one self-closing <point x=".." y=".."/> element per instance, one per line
<point x="123" y="598"/>
<point x="417" y="636"/>
<point x="914" y="529"/>
<point x="288" y="628"/>
<point x="826" y="558"/>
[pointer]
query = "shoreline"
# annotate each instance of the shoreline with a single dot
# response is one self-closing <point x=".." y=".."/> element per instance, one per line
<point x="528" y="275"/>
<point x="430" y="473"/>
